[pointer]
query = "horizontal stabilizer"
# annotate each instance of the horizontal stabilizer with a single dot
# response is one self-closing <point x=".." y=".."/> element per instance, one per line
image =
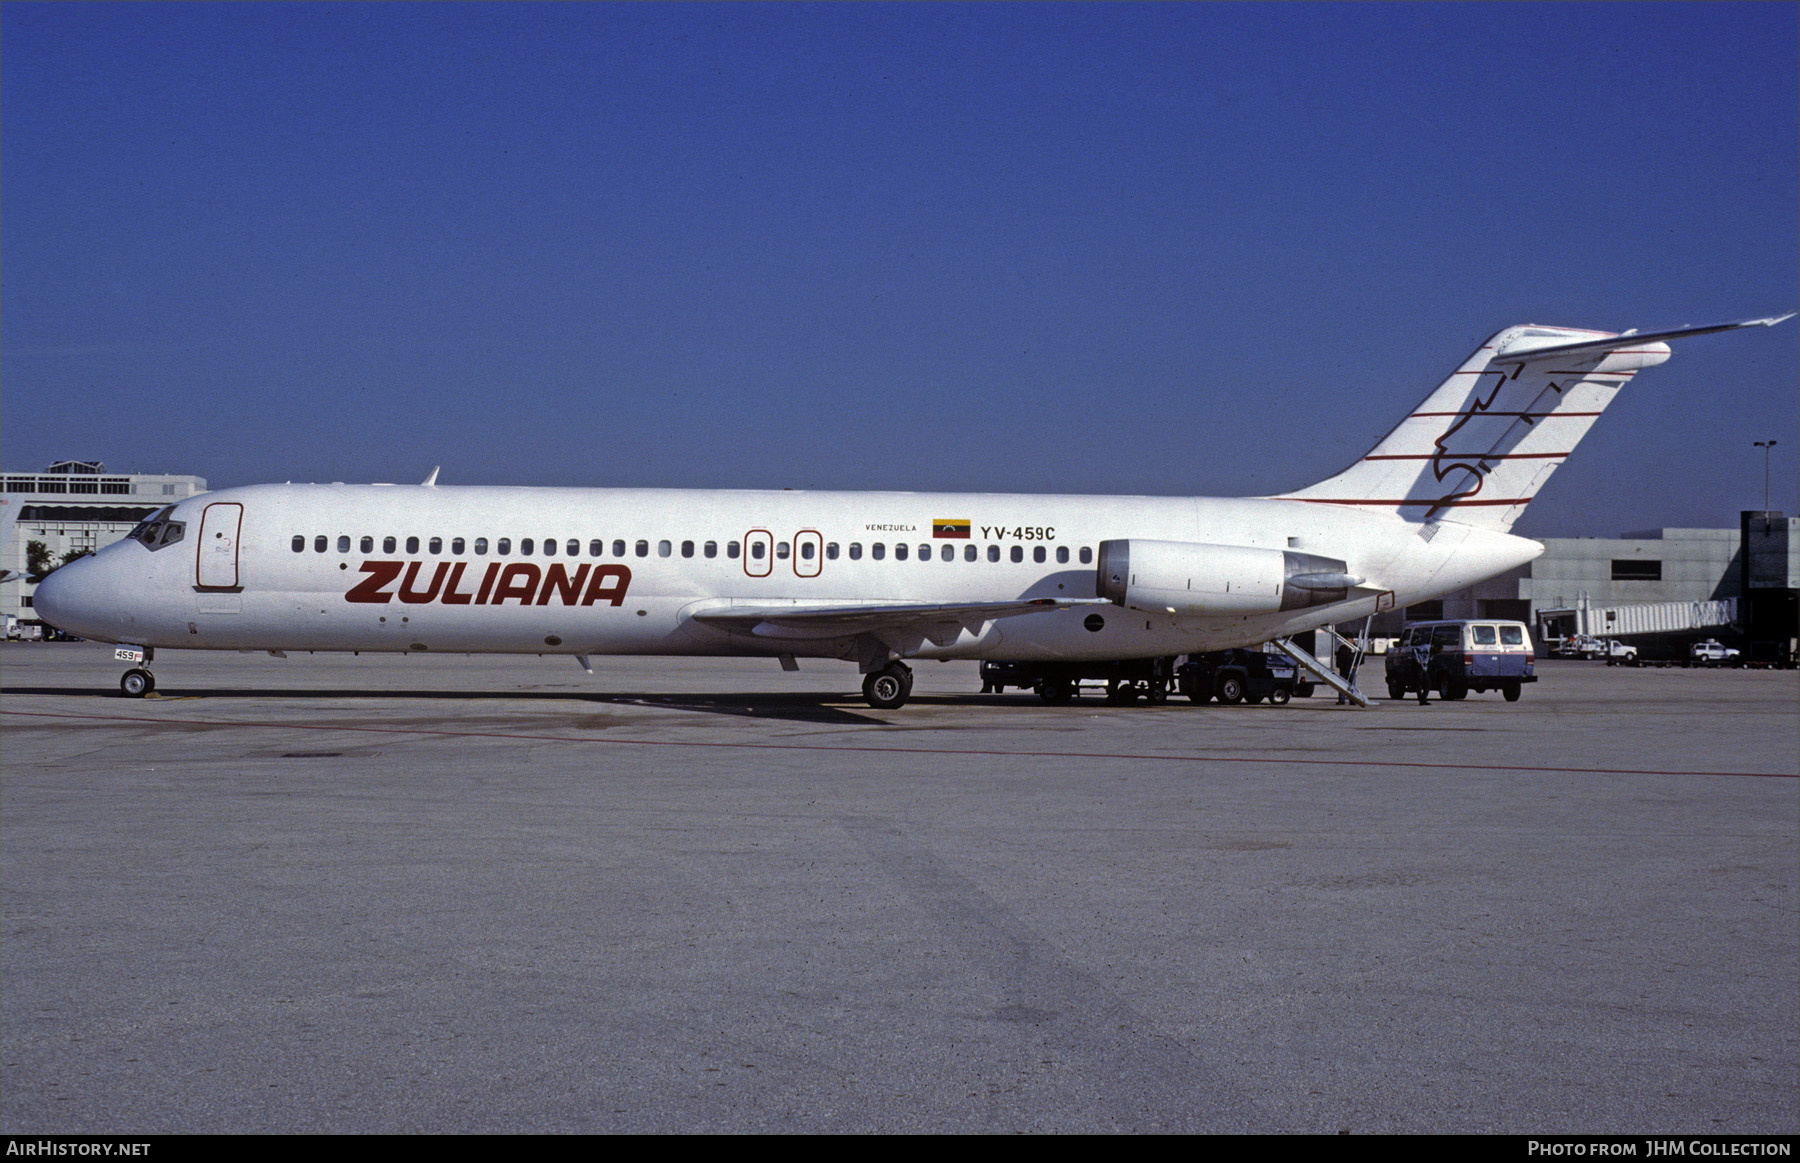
<point x="1628" y="339"/>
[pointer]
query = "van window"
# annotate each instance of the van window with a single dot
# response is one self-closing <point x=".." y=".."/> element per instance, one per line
<point x="1512" y="635"/>
<point x="1448" y="634"/>
<point x="1483" y="635"/>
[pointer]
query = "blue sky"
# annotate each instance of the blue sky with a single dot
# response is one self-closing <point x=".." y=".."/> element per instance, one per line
<point x="1176" y="249"/>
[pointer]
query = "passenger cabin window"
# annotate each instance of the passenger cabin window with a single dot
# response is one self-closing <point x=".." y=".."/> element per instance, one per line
<point x="756" y="550"/>
<point x="387" y="545"/>
<point x="573" y="547"/>
<point x="481" y="547"/>
<point x="435" y="546"/>
<point x="969" y="553"/>
<point x="618" y="549"/>
<point x="643" y="549"/>
<point x="947" y="553"/>
<point x="1038" y="554"/>
<point x="595" y="548"/>
<point x="711" y="549"/>
<point x="412" y="545"/>
<point x="367" y="544"/>
<point x="525" y="546"/>
<point x="299" y="543"/>
<point x="900" y="552"/>
<point x="687" y="549"/>
<point x="878" y="550"/>
<point x="343" y="543"/>
<point x="1018" y="553"/>
<point x="781" y="550"/>
<point x="731" y="550"/>
<point x="503" y="547"/>
<point x="993" y="553"/>
<point x="549" y="547"/>
<point x="663" y="549"/>
<point x="856" y="551"/>
<point x="318" y="545"/>
<point x="456" y="546"/>
<point x="1087" y="555"/>
<point x="831" y="551"/>
<point x="1062" y="555"/>
<point x="806" y="550"/>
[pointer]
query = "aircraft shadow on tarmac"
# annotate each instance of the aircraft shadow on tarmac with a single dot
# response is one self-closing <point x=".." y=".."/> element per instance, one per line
<point x="810" y="707"/>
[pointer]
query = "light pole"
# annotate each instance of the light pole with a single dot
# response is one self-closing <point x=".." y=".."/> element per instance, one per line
<point x="1765" y="445"/>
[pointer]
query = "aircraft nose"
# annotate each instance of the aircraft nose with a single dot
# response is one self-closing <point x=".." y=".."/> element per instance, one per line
<point x="74" y="599"/>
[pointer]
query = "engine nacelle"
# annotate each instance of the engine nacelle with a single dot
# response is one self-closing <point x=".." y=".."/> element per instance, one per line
<point x="1184" y="577"/>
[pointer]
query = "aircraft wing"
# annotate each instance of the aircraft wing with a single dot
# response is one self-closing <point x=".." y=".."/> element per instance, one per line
<point x="845" y="620"/>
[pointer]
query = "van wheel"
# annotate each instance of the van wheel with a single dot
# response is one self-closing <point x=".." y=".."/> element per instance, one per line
<point x="1512" y="690"/>
<point x="1056" y="691"/>
<point x="1231" y="690"/>
<point x="1278" y="697"/>
<point x="1396" y="690"/>
<point x="1449" y="689"/>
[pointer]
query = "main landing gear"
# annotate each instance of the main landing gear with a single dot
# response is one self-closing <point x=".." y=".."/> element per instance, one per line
<point x="888" y="688"/>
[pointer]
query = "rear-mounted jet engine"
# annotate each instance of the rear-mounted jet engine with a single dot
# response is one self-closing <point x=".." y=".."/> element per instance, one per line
<point x="1184" y="577"/>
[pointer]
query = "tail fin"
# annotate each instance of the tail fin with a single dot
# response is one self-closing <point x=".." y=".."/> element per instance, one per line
<point x="1482" y="445"/>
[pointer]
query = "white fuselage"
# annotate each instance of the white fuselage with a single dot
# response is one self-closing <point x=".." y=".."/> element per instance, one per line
<point x="237" y="581"/>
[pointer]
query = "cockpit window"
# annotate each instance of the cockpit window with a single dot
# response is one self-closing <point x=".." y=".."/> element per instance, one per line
<point x="156" y="530"/>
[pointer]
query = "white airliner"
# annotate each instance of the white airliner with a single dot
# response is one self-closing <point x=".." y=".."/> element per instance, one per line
<point x="871" y="577"/>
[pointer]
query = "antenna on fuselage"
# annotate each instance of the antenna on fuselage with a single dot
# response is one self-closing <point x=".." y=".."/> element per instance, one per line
<point x="430" y="482"/>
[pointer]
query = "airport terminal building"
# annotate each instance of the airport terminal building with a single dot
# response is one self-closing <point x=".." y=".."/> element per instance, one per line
<point x="1659" y="590"/>
<point x="72" y="507"/>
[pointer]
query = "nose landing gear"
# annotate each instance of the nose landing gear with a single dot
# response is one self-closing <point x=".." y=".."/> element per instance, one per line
<point x="137" y="682"/>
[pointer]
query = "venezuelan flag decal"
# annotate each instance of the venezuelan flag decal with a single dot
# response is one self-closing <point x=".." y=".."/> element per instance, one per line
<point x="949" y="527"/>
